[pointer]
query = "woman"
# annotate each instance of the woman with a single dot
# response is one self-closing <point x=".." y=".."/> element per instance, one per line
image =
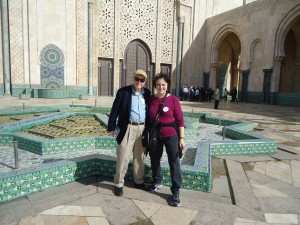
<point x="172" y="134"/>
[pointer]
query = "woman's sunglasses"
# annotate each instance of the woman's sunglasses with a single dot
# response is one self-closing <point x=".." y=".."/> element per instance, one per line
<point x="138" y="79"/>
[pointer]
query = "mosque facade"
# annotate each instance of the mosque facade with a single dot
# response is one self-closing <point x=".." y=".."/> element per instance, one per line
<point x="93" y="47"/>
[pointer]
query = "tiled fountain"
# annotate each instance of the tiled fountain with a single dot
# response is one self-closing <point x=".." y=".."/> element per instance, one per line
<point x="55" y="135"/>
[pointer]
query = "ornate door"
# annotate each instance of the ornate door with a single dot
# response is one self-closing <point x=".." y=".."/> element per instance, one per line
<point x="137" y="56"/>
<point x="105" y="74"/>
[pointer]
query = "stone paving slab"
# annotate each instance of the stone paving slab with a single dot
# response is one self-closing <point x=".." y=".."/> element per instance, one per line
<point x="213" y="208"/>
<point x="280" y="205"/>
<point x="14" y="210"/>
<point x="274" y="184"/>
<point x="242" y="190"/>
<point x="285" y="147"/>
<point x="282" y="155"/>
<point x="247" y="158"/>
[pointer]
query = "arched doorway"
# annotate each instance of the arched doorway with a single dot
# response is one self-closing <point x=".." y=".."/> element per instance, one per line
<point x="137" y="56"/>
<point x="289" y="74"/>
<point x="228" y="72"/>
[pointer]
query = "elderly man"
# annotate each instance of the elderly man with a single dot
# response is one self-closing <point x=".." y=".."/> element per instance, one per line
<point x="126" y="123"/>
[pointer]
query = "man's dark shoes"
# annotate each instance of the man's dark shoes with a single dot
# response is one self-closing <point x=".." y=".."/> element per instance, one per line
<point x="175" y="200"/>
<point x="141" y="186"/>
<point x="118" y="191"/>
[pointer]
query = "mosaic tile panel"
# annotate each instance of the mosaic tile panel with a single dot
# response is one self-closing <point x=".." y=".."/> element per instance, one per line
<point x="37" y="91"/>
<point x="24" y="182"/>
<point x="52" y="67"/>
<point x="244" y="147"/>
<point x="17" y="185"/>
<point x="6" y="139"/>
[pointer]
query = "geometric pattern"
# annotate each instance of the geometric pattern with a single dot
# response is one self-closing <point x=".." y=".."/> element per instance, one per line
<point x="138" y="19"/>
<point x="167" y="20"/>
<point x="82" y="43"/>
<point x="138" y="22"/>
<point x="52" y="67"/>
<point x="16" y="41"/>
<point x="106" y="28"/>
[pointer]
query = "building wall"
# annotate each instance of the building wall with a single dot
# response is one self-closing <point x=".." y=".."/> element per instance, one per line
<point x="1" y="58"/>
<point x="246" y="23"/>
<point x="35" y="24"/>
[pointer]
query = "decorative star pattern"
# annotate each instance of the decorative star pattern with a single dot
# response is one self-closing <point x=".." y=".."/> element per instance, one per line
<point x="138" y="20"/>
<point x="167" y="27"/>
<point x="105" y="27"/>
<point x="139" y="23"/>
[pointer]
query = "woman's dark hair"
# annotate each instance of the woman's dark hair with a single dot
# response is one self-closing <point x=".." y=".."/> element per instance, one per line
<point x="162" y="76"/>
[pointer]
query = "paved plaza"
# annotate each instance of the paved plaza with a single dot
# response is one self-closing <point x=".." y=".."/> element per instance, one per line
<point x="246" y="190"/>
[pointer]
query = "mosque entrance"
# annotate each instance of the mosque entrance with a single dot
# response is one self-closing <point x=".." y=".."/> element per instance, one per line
<point x="289" y="74"/>
<point x="137" y="56"/>
<point x="228" y="72"/>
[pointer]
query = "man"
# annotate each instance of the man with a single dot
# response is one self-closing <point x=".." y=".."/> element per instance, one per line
<point x="217" y="97"/>
<point x="126" y="123"/>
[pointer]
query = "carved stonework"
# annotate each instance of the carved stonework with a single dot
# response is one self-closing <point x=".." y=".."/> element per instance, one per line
<point x="106" y="28"/>
<point x="138" y="21"/>
<point x="167" y="31"/>
<point x="272" y="5"/>
<point x="16" y="41"/>
<point x="82" y="40"/>
<point x="248" y="10"/>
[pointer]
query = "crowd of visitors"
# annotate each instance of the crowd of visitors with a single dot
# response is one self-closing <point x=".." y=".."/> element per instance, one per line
<point x="201" y="94"/>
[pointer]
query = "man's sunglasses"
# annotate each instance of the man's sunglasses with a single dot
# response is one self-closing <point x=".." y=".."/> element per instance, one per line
<point x="138" y="79"/>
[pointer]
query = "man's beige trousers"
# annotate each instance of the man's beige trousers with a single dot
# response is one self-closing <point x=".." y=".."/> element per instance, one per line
<point x="132" y="142"/>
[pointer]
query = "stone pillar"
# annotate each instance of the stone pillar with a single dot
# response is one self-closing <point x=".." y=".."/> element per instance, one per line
<point x="179" y="54"/>
<point x="213" y="75"/>
<point x="276" y="75"/>
<point x="5" y="47"/>
<point x="206" y="80"/>
<point x="90" y="48"/>
<point x="267" y="85"/>
<point x="244" y="87"/>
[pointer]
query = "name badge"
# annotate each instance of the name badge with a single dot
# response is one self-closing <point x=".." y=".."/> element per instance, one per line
<point x="166" y="109"/>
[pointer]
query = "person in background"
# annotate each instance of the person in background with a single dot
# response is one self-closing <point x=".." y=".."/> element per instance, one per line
<point x="126" y="122"/>
<point x="225" y="94"/>
<point x="172" y="136"/>
<point x="217" y="97"/>
<point x="234" y="95"/>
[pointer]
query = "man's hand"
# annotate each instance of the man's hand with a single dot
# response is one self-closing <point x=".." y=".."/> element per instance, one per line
<point x="113" y="133"/>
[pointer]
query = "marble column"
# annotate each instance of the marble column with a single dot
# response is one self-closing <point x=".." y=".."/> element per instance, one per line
<point x="267" y="85"/>
<point x="244" y="88"/>
<point x="276" y="74"/>
<point x="213" y="75"/>
<point x="179" y="54"/>
<point x="5" y="48"/>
